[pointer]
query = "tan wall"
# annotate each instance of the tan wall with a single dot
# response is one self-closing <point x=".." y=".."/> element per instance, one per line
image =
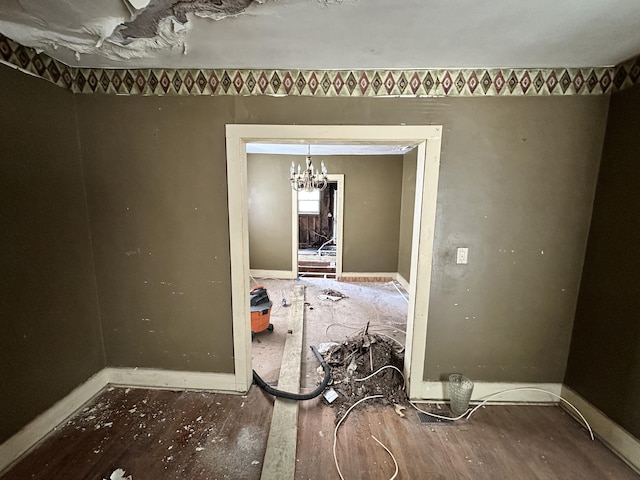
<point x="527" y="164"/>
<point x="409" y="166"/>
<point x="50" y="340"/>
<point x="516" y="174"/>
<point x="516" y="187"/>
<point x="372" y="196"/>
<point x="371" y="210"/>
<point x="604" y="363"/>
<point x="269" y="212"/>
<point x="156" y="185"/>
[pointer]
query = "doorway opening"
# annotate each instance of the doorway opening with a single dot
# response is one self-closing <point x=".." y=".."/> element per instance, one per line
<point x="317" y="233"/>
<point x="317" y="226"/>
<point x="427" y="140"/>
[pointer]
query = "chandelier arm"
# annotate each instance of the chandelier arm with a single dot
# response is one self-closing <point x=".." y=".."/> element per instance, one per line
<point x="310" y="178"/>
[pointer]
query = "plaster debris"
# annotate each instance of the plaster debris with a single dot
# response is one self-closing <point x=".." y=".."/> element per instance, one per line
<point x="137" y="4"/>
<point x="353" y="360"/>
<point x="330" y="294"/>
<point x="118" y="474"/>
<point x="117" y="29"/>
<point x="325" y="347"/>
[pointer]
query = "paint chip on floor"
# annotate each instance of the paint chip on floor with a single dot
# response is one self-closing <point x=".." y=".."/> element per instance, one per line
<point x="118" y="474"/>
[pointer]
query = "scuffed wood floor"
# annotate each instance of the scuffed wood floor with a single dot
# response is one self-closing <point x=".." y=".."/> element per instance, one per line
<point x="499" y="442"/>
<point x="156" y="434"/>
<point x="159" y="434"/>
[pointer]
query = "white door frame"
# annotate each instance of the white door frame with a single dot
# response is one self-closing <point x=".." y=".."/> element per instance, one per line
<point x="428" y="141"/>
<point x="335" y="178"/>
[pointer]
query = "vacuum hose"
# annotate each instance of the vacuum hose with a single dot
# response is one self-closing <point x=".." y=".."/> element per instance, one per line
<point x="297" y="396"/>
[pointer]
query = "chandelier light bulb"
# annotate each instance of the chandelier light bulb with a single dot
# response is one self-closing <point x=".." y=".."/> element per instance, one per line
<point x="311" y="178"/>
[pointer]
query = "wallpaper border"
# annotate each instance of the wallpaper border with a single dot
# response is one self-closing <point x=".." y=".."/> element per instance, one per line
<point x="324" y="83"/>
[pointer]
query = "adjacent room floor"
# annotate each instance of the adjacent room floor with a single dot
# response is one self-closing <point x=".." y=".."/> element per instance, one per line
<point x="381" y="305"/>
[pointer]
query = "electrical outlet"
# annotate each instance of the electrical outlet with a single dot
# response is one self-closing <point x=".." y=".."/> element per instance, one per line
<point x="462" y="255"/>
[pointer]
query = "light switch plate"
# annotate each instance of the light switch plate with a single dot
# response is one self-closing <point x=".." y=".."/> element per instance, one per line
<point x="462" y="255"/>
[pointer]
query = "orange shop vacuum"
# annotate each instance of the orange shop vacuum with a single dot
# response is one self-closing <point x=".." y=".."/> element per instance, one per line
<point x="260" y="310"/>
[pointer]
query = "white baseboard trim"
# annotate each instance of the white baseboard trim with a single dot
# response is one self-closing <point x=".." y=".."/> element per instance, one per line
<point x="35" y="430"/>
<point x="402" y="281"/>
<point x="438" y="391"/>
<point x="173" y="380"/>
<point x="346" y="276"/>
<point x="621" y="442"/>
<point x="44" y="423"/>
<point x="280" y="274"/>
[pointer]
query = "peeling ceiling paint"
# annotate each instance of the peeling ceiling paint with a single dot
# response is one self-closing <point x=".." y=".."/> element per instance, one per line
<point x="145" y="24"/>
<point x="122" y="30"/>
<point x="326" y="34"/>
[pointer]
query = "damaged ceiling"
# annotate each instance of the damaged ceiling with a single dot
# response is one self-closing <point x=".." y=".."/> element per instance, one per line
<point x="326" y="34"/>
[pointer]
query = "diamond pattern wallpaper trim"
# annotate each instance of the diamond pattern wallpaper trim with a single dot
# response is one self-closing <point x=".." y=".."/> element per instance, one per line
<point x="325" y="83"/>
<point x="627" y="74"/>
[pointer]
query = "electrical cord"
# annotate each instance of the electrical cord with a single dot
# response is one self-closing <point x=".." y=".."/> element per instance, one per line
<point x="471" y="411"/>
<point x="335" y="431"/>
<point x="401" y="294"/>
<point x="378" y="371"/>
<point x="534" y="389"/>
<point x="395" y="463"/>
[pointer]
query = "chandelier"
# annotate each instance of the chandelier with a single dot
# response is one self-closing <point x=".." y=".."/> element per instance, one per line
<point x="310" y="179"/>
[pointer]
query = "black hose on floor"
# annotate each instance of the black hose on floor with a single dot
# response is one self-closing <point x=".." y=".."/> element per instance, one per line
<point x="297" y="396"/>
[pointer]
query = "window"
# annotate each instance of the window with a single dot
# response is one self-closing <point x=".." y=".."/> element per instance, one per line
<point x="309" y="202"/>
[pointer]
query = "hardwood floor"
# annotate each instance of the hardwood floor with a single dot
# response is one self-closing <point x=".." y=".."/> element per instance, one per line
<point x="156" y="434"/>
<point x="159" y="434"/>
<point x="499" y="442"/>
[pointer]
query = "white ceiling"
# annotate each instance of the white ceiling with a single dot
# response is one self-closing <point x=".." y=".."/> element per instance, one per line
<point x="332" y="34"/>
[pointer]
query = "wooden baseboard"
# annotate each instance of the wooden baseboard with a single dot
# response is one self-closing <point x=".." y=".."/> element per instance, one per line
<point x="20" y="443"/>
<point x="621" y="442"/>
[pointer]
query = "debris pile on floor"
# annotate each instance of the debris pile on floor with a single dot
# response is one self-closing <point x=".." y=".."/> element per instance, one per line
<point x="359" y="357"/>
<point x="330" y="294"/>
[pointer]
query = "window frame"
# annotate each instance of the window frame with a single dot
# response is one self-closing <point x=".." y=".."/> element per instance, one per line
<point x="316" y="201"/>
